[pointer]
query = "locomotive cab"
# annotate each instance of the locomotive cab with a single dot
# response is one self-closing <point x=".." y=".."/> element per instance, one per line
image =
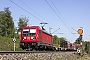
<point x="29" y="34"/>
<point x="28" y="37"/>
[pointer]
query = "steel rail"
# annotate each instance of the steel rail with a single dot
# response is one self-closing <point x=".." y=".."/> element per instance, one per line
<point x="34" y="51"/>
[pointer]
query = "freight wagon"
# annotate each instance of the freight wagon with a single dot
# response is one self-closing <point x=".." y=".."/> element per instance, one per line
<point x="65" y="45"/>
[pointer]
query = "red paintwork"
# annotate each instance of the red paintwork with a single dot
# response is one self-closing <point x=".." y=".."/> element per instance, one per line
<point x="46" y="38"/>
<point x="41" y="36"/>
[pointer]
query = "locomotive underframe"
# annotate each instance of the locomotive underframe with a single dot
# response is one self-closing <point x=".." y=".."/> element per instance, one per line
<point x="29" y="46"/>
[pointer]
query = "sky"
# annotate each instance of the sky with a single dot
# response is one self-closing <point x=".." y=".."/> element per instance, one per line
<point x="63" y="14"/>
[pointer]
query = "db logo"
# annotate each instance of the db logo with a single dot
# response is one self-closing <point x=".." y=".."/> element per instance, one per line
<point x="28" y="38"/>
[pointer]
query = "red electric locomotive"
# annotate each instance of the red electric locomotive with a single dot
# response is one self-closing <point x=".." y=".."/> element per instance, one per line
<point x="33" y="37"/>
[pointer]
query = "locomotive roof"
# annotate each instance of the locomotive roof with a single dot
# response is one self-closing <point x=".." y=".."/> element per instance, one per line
<point x="46" y="32"/>
<point x="32" y="27"/>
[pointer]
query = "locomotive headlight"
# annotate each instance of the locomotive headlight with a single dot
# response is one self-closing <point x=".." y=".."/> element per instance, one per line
<point x="24" y="37"/>
<point x="31" y="37"/>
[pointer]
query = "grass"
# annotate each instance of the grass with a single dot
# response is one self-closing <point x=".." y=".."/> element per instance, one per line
<point x="58" y="59"/>
<point x="7" y="44"/>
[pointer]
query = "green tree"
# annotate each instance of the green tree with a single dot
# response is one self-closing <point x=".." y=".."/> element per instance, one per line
<point x="2" y="15"/>
<point x="77" y="41"/>
<point x="60" y="39"/>
<point x="6" y="23"/>
<point x="10" y="24"/>
<point x="87" y="46"/>
<point x="55" y="39"/>
<point x="22" y="22"/>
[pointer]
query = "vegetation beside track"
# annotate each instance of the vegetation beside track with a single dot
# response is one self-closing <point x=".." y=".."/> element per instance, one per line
<point x="7" y="44"/>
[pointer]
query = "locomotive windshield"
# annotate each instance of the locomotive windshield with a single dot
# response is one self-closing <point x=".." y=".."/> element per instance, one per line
<point x="29" y="32"/>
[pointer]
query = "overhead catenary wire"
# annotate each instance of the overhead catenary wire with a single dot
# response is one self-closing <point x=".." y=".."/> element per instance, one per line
<point x="58" y="11"/>
<point x="36" y="13"/>
<point x="56" y="8"/>
<point x="63" y="18"/>
<point x="25" y="10"/>
<point x="31" y="9"/>
<point x="61" y="15"/>
<point x="57" y="15"/>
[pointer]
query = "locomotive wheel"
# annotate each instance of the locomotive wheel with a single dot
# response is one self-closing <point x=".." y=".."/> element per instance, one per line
<point x="26" y="50"/>
<point x="53" y="49"/>
<point x="36" y="48"/>
<point x="30" y="49"/>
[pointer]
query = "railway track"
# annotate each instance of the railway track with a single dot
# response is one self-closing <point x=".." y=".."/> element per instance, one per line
<point x="33" y="55"/>
<point x="3" y="52"/>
